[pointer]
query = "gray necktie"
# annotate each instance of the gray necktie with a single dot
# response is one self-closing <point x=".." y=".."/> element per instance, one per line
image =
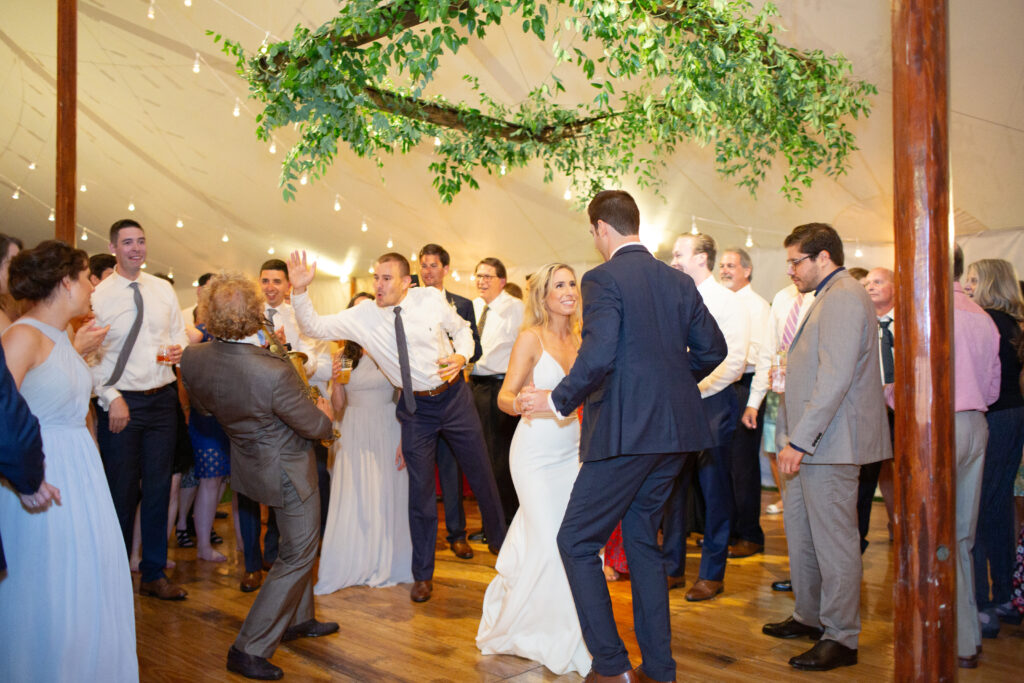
<point x="483" y="321"/>
<point x="129" y="342"/>
<point x="271" y="312"/>
<point x="403" y="362"/>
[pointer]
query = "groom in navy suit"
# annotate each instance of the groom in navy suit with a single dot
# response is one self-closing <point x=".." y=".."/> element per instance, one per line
<point x="647" y="340"/>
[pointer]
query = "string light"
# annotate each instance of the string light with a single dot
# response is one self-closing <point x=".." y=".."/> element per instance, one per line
<point x="413" y="256"/>
<point x="195" y="283"/>
<point x="472" y="277"/>
<point x="263" y="45"/>
<point x="437" y="141"/>
<point x="304" y="179"/>
<point x="224" y="237"/>
<point x="568" y="194"/>
<point x="270" y="251"/>
<point x="52" y="217"/>
<point x="151" y="12"/>
<point x="131" y="205"/>
<point x="17" y="193"/>
<point x="237" y="110"/>
<point x="337" y="202"/>
<point x="180" y="224"/>
<point x="85" y="236"/>
<point x="371" y="270"/>
<point x="188" y="3"/>
<point x="144" y="265"/>
<point x="693" y="226"/>
<point x="195" y="64"/>
<point x="83" y="188"/>
<point x="750" y="239"/>
<point x="857" y="253"/>
<point x="502" y="170"/>
<point x="273" y="147"/>
<point x="391" y="243"/>
<point x="170" y="273"/>
<point x="456" y="276"/>
<point x="365" y="228"/>
<point x="31" y="165"/>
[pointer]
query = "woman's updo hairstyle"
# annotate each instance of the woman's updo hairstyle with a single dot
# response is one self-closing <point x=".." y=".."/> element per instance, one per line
<point x="35" y="273"/>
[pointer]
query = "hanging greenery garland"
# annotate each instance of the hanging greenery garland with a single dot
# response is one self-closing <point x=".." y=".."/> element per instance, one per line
<point x="661" y="74"/>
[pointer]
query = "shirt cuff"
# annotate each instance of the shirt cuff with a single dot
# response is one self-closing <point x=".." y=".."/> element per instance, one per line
<point x="797" y="448"/>
<point x="106" y="396"/>
<point x="551" y="404"/>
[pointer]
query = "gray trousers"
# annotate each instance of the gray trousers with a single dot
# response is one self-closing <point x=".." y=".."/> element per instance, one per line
<point x="824" y="548"/>
<point x="971" y="437"/>
<point x="286" y="598"/>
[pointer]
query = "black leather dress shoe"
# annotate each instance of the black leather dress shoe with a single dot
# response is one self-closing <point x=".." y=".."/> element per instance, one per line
<point x="824" y="656"/>
<point x="252" y="666"/>
<point x="478" y="537"/>
<point x="310" y="629"/>
<point x="782" y="586"/>
<point x="791" y="628"/>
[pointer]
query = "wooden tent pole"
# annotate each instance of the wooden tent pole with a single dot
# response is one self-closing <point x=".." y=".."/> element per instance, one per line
<point x="925" y="599"/>
<point x="67" y="84"/>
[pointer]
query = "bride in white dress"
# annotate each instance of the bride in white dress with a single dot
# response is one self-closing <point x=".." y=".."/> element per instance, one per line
<point x="366" y="540"/>
<point x="528" y="610"/>
<point x="66" y="604"/>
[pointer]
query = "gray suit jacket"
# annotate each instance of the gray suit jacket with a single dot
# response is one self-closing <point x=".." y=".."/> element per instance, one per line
<point x="258" y="401"/>
<point x="834" y="407"/>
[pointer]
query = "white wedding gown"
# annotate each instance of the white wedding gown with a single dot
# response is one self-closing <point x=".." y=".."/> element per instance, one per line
<point x="66" y="603"/>
<point x="528" y="610"/>
<point x="366" y="540"/>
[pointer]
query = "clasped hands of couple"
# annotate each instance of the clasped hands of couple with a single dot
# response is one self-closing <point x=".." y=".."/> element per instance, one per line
<point x="532" y="402"/>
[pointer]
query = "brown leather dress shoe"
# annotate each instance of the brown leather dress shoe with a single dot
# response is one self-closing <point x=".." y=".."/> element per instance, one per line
<point x="644" y="678"/>
<point x="704" y="590"/>
<point x="309" y="629"/>
<point x="251" y="581"/>
<point x="824" y="656"/>
<point x="252" y="666"/>
<point x="625" y="677"/>
<point x="967" y="662"/>
<point x="163" y="589"/>
<point x="676" y="581"/>
<point x="745" y="549"/>
<point x="421" y="591"/>
<point x="461" y="549"/>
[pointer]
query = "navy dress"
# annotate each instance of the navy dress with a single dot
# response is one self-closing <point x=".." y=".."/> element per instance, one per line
<point x="209" y="442"/>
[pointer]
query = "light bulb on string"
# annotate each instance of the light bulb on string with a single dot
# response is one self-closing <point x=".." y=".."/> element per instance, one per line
<point x="413" y="256"/>
<point x="195" y="283"/>
<point x="180" y="224"/>
<point x="131" y="205"/>
<point x="502" y="170"/>
<point x="337" y="202"/>
<point x="31" y="165"/>
<point x="17" y="193"/>
<point x="170" y="274"/>
<point x="693" y="226"/>
<point x="437" y="141"/>
<point x="456" y="276"/>
<point x="750" y="239"/>
<point x="365" y="227"/>
<point x="857" y="253"/>
<point x="263" y="45"/>
<point x="85" y="236"/>
<point x="472" y="277"/>
<point x="391" y="243"/>
<point x="270" y="251"/>
<point x="237" y="111"/>
<point x="151" y="12"/>
<point x="568" y="194"/>
<point x="273" y="147"/>
<point x="303" y="179"/>
<point x="371" y="270"/>
<point x="188" y="3"/>
<point x="144" y="265"/>
<point x="52" y="217"/>
<point x="195" y="64"/>
<point x="83" y="188"/>
<point x="224" y="237"/>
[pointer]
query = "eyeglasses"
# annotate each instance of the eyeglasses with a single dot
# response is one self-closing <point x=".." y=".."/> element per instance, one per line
<point x="486" y="277"/>
<point x="794" y="262"/>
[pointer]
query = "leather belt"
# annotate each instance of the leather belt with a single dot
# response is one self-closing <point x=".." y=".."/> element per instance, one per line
<point x="441" y="388"/>
<point x="488" y="379"/>
<point x="149" y="392"/>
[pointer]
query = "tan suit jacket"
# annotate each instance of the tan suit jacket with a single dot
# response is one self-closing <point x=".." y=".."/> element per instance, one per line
<point x="258" y="400"/>
<point x="834" y="407"/>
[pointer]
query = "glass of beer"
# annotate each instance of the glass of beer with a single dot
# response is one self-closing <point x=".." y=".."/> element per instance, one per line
<point x="344" y="371"/>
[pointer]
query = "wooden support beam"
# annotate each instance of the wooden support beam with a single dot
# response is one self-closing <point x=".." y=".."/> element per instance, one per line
<point x="925" y="600"/>
<point x="67" y="102"/>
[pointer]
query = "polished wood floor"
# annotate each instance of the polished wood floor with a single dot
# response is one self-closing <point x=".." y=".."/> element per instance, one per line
<point x="385" y="637"/>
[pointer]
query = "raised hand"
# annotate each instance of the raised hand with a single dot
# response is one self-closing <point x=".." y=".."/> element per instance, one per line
<point x="89" y="336"/>
<point x="300" y="274"/>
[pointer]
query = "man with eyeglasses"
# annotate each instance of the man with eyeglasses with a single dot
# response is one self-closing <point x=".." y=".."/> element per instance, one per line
<point x="831" y="422"/>
<point x="498" y="318"/>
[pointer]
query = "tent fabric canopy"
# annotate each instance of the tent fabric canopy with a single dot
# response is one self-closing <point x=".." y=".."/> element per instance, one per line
<point x="158" y="135"/>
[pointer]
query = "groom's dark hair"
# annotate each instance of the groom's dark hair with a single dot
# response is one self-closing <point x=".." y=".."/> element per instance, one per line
<point x="616" y="208"/>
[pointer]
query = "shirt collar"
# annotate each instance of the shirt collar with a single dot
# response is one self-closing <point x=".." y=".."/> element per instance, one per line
<point x="888" y="314"/>
<point x="623" y="246"/>
<point x="821" y="285"/>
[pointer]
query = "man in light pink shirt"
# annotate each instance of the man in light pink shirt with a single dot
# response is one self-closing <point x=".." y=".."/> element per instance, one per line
<point x="976" y="381"/>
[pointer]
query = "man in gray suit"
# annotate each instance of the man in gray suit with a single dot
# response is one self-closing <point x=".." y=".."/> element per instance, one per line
<point x="831" y="421"/>
<point x="259" y="401"/>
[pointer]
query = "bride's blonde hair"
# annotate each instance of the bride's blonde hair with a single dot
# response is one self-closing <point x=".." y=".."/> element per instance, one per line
<point x="539" y="286"/>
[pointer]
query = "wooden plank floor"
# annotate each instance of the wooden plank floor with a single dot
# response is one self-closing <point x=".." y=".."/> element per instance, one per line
<point x="385" y="637"/>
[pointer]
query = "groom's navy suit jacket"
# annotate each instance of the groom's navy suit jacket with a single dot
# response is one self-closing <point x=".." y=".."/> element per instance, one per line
<point x="647" y="340"/>
<point x="21" y="447"/>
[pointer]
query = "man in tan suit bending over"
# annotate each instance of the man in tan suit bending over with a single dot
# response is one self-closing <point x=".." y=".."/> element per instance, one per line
<point x="831" y="421"/>
<point x="259" y="401"/>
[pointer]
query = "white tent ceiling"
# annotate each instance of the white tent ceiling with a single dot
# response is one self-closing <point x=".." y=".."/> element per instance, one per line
<point x="154" y="133"/>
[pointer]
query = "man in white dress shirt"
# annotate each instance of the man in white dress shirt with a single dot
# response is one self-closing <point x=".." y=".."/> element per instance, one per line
<point x="695" y="256"/>
<point x="137" y="398"/>
<point x="747" y="538"/>
<point x="499" y="316"/>
<point x="411" y="332"/>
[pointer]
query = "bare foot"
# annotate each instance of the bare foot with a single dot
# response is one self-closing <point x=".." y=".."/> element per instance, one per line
<point x="169" y="564"/>
<point x="211" y="556"/>
<point x="610" y="574"/>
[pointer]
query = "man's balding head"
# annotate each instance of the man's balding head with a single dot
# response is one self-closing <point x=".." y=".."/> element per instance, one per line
<point x="881" y="286"/>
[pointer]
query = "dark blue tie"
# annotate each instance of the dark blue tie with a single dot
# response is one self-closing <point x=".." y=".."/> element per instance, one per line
<point x="885" y="339"/>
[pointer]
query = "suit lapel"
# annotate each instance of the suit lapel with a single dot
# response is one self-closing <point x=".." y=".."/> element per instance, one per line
<point x="817" y="297"/>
